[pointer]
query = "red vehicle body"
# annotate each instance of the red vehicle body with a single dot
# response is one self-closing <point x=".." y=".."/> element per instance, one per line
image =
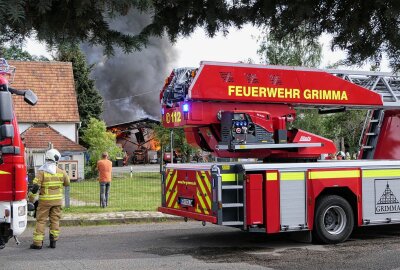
<point x="245" y="111"/>
<point x="13" y="177"/>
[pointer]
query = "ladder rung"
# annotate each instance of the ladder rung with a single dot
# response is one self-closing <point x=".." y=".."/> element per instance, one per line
<point x="367" y="147"/>
<point x="374" y="121"/>
<point x="370" y="134"/>
<point x="226" y="205"/>
<point x="233" y="187"/>
<point x="232" y="223"/>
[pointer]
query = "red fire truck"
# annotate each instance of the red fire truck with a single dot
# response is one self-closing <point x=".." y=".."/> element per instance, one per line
<point x="244" y="111"/>
<point x="13" y="178"/>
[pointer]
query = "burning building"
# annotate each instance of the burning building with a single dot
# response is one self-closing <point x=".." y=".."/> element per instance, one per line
<point x="137" y="140"/>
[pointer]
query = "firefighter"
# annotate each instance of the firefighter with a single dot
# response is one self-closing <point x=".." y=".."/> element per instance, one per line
<point x="49" y="183"/>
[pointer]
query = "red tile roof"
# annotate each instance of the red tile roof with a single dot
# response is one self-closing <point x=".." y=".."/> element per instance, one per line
<point x="53" y="83"/>
<point x="38" y="137"/>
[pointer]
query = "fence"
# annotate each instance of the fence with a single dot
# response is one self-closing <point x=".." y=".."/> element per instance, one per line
<point x="128" y="191"/>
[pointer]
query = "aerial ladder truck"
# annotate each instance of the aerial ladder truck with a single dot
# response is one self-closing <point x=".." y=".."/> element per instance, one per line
<point x="236" y="110"/>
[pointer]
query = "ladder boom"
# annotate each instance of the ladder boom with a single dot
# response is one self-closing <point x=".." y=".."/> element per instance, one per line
<point x="296" y="86"/>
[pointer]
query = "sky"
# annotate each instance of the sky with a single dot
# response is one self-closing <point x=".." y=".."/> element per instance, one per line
<point x="238" y="45"/>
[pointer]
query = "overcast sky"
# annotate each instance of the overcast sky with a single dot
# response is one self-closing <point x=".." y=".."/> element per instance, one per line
<point x="238" y="45"/>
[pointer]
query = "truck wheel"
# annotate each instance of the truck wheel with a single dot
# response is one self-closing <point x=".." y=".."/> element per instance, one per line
<point x="333" y="220"/>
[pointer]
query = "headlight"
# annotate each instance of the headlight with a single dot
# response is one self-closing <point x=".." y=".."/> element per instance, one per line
<point x="21" y="210"/>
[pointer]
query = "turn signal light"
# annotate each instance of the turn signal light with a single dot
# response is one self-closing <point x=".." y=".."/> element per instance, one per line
<point x="21" y="210"/>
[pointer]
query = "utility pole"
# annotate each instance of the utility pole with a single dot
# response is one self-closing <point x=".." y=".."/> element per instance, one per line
<point x="172" y="145"/>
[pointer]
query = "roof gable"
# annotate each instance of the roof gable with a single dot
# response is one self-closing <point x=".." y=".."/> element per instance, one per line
<point x="53" y="83"/>
<point x="38" y="137"/>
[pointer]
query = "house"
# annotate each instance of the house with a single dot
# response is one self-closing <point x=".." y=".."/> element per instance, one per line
<point x="54" y="121"/>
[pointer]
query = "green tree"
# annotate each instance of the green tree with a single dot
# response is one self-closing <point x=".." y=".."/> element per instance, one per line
<point x="294" y="50"/>
<point x="99" y="140"/>
<point x="163" y="135"/>
<point x="90" y="102"/>
<point x="364" y="29"/>
<point x="298" y="50"/>
<point x="15" y="52"/>
<point x="345" y="128"/>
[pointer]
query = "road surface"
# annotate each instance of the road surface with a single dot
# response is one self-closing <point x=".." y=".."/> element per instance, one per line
<point x="179" y="245"/>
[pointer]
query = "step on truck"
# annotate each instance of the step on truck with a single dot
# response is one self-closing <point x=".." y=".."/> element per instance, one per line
<point x="13" y="176"/>
<point x="245" y="111"/>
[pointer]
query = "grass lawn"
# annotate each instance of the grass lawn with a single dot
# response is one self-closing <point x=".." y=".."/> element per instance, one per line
<point x="141" y="192"/>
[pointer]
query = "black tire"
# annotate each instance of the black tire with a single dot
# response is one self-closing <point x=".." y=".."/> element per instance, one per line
<point x="333" y="220"/>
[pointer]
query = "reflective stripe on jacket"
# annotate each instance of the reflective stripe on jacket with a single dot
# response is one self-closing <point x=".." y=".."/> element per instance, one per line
<point x="51" y="185"/>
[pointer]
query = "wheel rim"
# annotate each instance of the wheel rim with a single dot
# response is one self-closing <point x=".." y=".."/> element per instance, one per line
<point x="335" y="220"/>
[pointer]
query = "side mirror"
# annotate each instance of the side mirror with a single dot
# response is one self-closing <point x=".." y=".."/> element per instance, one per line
<point x="30" y="97"/>
<point x="6" y="107"/>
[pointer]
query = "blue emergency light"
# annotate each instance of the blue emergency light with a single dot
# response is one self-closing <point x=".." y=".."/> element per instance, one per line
<point x="185" y="108"/>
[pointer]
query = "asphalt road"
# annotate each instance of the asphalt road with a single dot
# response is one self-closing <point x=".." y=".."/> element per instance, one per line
<point x="191" y="246"/>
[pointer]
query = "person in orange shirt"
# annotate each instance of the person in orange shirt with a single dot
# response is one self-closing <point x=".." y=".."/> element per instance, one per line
<point x="104" y="166"/>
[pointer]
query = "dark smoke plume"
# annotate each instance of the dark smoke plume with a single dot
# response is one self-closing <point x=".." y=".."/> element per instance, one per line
<point x="130" y="83"/>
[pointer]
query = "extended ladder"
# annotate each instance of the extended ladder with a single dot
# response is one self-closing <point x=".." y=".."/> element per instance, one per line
<point x="384" y="83"/>
<point x="370" y="132"/>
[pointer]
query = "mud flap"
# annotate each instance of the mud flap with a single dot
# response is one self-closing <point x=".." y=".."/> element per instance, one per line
<point x="5" y="234"/>
<point x="300" y="236"/>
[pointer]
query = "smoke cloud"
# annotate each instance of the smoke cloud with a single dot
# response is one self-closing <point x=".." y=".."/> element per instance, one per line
<point x="130" y="83"/>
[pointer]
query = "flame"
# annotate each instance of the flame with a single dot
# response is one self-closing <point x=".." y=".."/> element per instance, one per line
<point x="119" y="132"/>
<point x="154" y="144"/>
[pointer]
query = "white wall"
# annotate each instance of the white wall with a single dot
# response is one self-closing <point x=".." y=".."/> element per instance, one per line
<point x="38" y="160"/>
<point x="66" y="129"/>
<point x="81" y="167"/>
<point x="23" y="126"/>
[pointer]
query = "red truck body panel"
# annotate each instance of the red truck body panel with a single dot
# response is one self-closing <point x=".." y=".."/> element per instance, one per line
<point x="389" y="137"/>
<point x="189" y="191"/>
<point x="13" y="184"/>
<point x="275" y="84"/>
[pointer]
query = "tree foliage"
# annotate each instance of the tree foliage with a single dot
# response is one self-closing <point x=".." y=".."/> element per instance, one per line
<point x="297" y="50"/>
<point x="56" y="22"/>
<point x="294" y="50"/>
<point x="90" y="101"/>
<point x="100" y="140"/>
<point x="15" y="52"/>
<point x="291" y="50"/>
<point x="364" y="29"/>
<point x="163" y="135"/>
<point x="347" y="125"/>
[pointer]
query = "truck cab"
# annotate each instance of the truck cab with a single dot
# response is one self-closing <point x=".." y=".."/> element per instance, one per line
<point x="13" y="176"/>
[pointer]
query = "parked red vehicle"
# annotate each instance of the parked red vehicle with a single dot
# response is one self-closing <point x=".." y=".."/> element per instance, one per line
<point x="13" y="175"/>
<point x="167" y="156"/>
